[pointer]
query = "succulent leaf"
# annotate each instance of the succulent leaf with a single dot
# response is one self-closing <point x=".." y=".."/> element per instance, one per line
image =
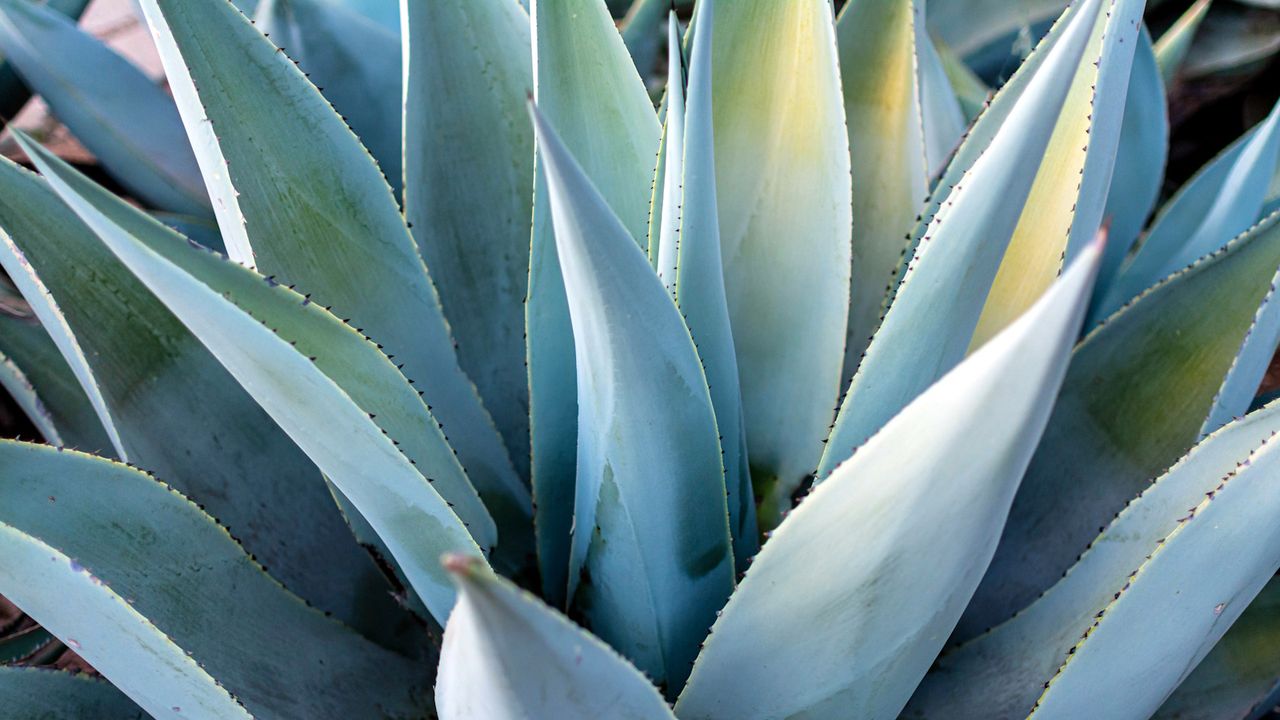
<point x="852" y="629"/>
<point x="650" y="519"/>
<point x="151" y="614"/>
<point x="468" y="183"/>
<point x="42" y="694"/>
<point x="1172" y="48"/>
<point x="588" y="89"/>
<point x="347" y="406"/>
<point x="14" y="93"/>
<point x="968" y="26"/>
<point x="507" y="656"/>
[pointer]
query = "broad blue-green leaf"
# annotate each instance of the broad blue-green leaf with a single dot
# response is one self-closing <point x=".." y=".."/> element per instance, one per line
<point x="1136" y="398"/>
<point x="1172" y="48"/>
<point x="700" y="290"/>
<point x="1237" y="677"/>
<point x="1233" y="41"/>
<point x="850" y="601"/>
<point x="44" y="694"/>
<point x="587" y="88"/>
<point x="970" y="25"/>
<point x="1140" y="161"/>
<point x="931" y="323"/>
<point x="384" y="12"/>
<point x="783" y="185"/>
<point x="355" y="63"/>
<point x="468" y="185"/>
<point x="199" y="229"/>
<point x="346" y="405"/>
<point x="34" y="373"/>
<point x="970" y="90"/>
<point x="1220" y="202"/>
<point x="128" y="122"/>
<point x="1001" y="673"/>
<point x="900" y="136"/>
<point x="166" y="403"/>
<point x="507" y="656"/>
<point x="650" y="522"/>
<point x="159" y="598"/>
<point x="298" y="197"/>
<point x="14" y="93"/>
<point x="641" y="31"/>
<point x="26" y="644"/>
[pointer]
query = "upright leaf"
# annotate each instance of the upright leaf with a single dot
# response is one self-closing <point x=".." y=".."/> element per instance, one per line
<point x="671" y="184"/>
<point x="468" y="184"/>
<point x="298" y="197"/>
<point x="782" y="181"/>
<point x="847" y="605"/>
<point x="931" y="323"/>
<point x="508" y="656"/>
<point x="1173" y="46"/>
<point x="158" y="597"/>
<point x="128" y="122"/>
<point x="587" y="87"/>
<point x="651" y="526"/>
<point x="1137" y="396"/>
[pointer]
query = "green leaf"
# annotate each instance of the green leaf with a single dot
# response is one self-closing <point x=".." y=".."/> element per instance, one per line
<point x="897" y="146"/>
<point x="34" y="373"/>
<point x="849" y="630"/>
<point x="21" y="644"/>
<point x="43" y="694"/>
<point x="700" y="293"/>
<point x="128" y="122"/>
<point x="1001" y="672"/>
<point x="1172" y="48"/>
<point x="298" y="197"/>
<point x="970" y="25"/>
<point x="1136" y="398"/>
<point x="199" y="229"/>
<point x="657" y="555"/>
<point x="354" y="61"/>
<point x="14" y="93"/>
<point x="930" y="325"/>
<point x="1233" y="41"/>
<point x="970" y="90"/>
<point x="161" y="600"/>
<point x="783" y="185"/>
<point x="165" y="402"/>
<point x="507" y="655"/>
<point x="641" y="31"/>
<point x="587" y="87"/>
<point x="1237" y="677"/>
<point x="1220" y="202"/>
<point x="353" y="413"/>
<point x="469" y="180"/>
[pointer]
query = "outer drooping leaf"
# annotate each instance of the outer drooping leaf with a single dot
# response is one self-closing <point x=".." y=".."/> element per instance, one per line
<point x="324" y="383"/>
<point x="14" y="93"/>
<point x="970" y="25"/>
<point x="1237" y="677"/>
<point x="846" y="606"/>
<point x="1175" y="43"/>
<point x="1135" y="399"/>
<point x="161" y="600"/>
<point x="468" y="184"/>
<point x="884" y="49"/>
<point x="34" y="373"/>
<point x="166" y="403"/>
<point x="1140" y="161"/>
<point x="1220" y="202"/>
<point x="1002" y="672"/>
<point x="650" y="522"/>
<point x="354" y="60"/>
<point x="298" y="197"/>
<point x="128" y="122"/>
<point x="782" y="181"/>
<point x="587" y="88"/>
<point x="930" y="325"/>
<point x="507" y="656"/>
<point x="43" y="694"/>
<point x="700" y="289"/>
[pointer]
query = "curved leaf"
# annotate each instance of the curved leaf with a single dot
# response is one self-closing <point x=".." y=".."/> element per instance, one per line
<point x="651" y="524"/>
<point x="41" y="694"/>
<point x="587" y="87"/>
<point x="1001" y="673"/>
<point x="14" y="93"/>
<point x="783" y="185"/>
<point x="167" y="403"/>
<point x="128" y="122"/>
<point x="930" y="325"/>
<point x="1172" y="48"/>
<point x="158" y="597"/>
<point x="969" y="25"/>
<point x="468" y="184"/>
<point x="298" y="197"/>
<point x="507" y="655"/>
<point x="34" y="373"/>
<point x="346" y="406"/>
<point x="851" y="629"/>
<point x="1135" y="399"/>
